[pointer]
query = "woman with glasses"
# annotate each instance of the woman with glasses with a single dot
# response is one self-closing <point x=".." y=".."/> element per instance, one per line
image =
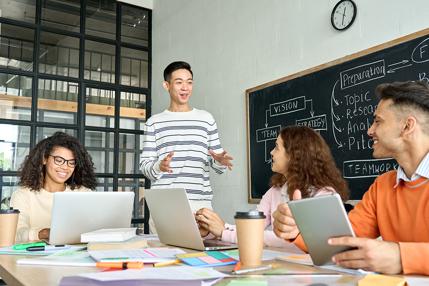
<point x="58" y="163"/>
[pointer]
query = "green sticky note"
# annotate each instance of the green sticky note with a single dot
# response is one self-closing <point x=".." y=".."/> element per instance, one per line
<point x="217" y="254"/>
<point x="247" y="282"/>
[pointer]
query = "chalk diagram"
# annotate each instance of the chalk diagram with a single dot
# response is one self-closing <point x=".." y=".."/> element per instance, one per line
<point x="317" y="122"/>
<point x="352" y="106"/>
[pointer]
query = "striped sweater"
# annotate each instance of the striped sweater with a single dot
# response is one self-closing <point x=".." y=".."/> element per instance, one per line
<point x="189" y="135"/>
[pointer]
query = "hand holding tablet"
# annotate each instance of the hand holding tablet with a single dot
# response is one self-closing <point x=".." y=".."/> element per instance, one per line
<point x="318" y="219"/>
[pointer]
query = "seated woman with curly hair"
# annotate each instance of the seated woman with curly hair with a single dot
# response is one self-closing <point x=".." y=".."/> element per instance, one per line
<point x="301" y="160"/>
<point x="58" y="163"/>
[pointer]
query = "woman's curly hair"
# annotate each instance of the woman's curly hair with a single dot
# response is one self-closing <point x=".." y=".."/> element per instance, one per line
<point x="310" y="165"/>
<point x="32" y="171"/>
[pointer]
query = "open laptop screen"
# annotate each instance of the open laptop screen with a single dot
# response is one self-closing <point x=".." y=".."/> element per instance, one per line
<point x="74" y="213"/>
<point x="174" y="221"/>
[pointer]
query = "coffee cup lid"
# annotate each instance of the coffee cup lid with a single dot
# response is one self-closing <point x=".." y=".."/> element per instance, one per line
<point x="254" y="214"/>
<point x="9" y="211"/>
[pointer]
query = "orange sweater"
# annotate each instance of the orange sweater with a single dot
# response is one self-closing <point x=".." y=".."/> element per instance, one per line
<point x="398" y="214"/>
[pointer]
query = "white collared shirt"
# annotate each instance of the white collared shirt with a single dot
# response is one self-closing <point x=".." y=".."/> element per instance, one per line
<point x="421" y="171"/>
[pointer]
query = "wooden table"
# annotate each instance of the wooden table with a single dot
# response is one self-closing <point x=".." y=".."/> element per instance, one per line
<point x="14" y="274"/>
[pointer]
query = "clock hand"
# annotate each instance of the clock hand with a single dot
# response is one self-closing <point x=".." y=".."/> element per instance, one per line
<point x="344" y="14"/>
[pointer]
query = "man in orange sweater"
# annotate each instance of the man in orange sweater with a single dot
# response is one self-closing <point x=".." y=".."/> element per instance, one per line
<point x="396" y="207"/>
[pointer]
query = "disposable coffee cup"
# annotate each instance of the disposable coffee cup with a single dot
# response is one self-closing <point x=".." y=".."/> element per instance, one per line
<point x="8" y="223"/>
<point x="250" y="236"/>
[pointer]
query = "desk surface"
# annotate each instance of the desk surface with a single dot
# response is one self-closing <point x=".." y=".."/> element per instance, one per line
<point x="14" y="274"/>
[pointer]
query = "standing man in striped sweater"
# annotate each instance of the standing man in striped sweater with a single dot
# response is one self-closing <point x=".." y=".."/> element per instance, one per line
<point x="182" y="143"/>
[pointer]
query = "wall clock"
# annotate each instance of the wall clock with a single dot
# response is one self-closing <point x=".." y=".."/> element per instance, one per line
<point x="343" y="14"/>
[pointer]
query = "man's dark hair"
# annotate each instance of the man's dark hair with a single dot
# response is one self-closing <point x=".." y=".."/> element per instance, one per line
<point x="174" y="66"/>
<point x="408" y="94"/>
<point x="33" y="171"/>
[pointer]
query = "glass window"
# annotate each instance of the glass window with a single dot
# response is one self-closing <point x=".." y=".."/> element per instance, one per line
<point x="129" y="153"/>
<point x="100" y="147"/>
<point x="137" y="186"/>
<point x="16" y="48"/>
<point x="14" y="146"/>
<point x="99" y="61"/>
<point x="59" y="54"/>
<point x="133" y="110"/>
<point x="8" y="185"/>
<point x="21" y="10"/>
<point x="100" y="107"/>
<point x="15" y="96"/>
<point x="135" y="26"/>
<point x="101" y="19"/>
<point x="134" y="67"/>
<point x="104" y="184"/>
<point x="61" y="14"/>
<point x="45" y="132"/>
<point x="57" y="101"/>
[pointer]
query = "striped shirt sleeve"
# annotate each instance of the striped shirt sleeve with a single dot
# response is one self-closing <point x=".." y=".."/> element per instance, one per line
<point x="149" y="161"/>
<point x="215" y="146"/>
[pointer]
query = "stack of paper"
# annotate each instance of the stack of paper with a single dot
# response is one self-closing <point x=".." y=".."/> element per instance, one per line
<point x="108" y="234"/>
<point x="132" y="243"/>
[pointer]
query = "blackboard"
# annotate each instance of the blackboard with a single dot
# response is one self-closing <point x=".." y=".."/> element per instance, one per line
<point x="336" y="99"/>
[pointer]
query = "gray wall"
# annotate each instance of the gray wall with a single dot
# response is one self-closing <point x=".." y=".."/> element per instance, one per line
<point x="239" y="44"/>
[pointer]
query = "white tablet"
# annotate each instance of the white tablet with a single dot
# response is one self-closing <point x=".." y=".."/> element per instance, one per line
<point x="318" y="219"/>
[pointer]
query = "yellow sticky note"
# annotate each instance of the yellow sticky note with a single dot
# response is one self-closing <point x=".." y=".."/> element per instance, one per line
<point x="382" y="280"/>
<point x="192" y="254"/>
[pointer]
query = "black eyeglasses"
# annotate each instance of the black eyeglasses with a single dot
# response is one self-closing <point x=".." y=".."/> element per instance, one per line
<point x="59" y="161"/>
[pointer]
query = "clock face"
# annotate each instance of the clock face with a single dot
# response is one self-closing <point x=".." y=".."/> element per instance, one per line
<point x="343" y="14"/>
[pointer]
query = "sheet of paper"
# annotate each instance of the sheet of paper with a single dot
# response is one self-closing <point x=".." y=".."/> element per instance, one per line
<point x="247" y="282"/>
<point x="345" y="270"/>
<point x="148" y="255"/>
<point x="417" y="281"/>
<point x="149" y="236"/>
<point x="65" y="258"/>
<point x="155" y="273"/>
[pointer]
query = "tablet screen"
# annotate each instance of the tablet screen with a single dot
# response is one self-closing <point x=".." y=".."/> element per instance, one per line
<point x="318" y="219"/>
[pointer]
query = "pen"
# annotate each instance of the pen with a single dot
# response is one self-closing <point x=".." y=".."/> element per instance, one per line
<point x="24" y="246"/>
<point x="120" y="265"/>
<point x="247" y="270"/>
<point x="166" y="263"/>
<point x="46" y="247"/>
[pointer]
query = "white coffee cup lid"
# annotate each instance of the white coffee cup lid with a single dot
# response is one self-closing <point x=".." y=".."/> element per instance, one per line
<point x="9" y="211"/>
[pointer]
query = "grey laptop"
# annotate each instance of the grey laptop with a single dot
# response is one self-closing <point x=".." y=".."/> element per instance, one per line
<point x="74" y="213"/>
<point x="175" y="223"/>
<point x="318" y="219"/>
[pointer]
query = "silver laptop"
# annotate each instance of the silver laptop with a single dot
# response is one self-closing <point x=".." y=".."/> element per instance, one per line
<point x="74" y="213"/>
<point x="175" y="223"/>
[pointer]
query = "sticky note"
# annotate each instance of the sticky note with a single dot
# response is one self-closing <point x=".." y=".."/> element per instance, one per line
<point x="381" y="280"/>
<point x="193" y="261"/>
<point x="217" y="254"/>
<point x="206" y="259"/>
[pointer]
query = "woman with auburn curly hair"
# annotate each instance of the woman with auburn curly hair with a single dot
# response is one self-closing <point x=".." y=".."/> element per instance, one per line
<point x="301" y="160"/>
<point x="58" y="163"/>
